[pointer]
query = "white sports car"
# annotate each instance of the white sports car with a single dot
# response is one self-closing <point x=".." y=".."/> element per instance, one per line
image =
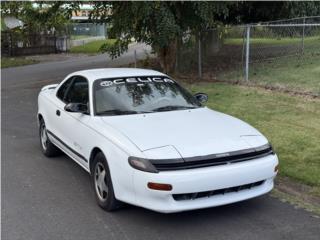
<point x="147" y="141"/>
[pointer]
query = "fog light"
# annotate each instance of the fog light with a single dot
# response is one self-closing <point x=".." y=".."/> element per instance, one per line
<point x="276" y="168"/>
<point x="159" y="186"/>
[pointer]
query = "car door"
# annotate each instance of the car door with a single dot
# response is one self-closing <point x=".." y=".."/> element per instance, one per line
<point x="72" y="126"/>
<point x="54" y="119"/>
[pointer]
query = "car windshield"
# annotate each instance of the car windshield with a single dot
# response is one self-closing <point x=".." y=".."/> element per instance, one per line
<point x="134" y="95"/>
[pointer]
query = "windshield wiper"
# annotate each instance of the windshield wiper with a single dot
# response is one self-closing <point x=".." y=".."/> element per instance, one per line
<point x="120" y="112"/>
<point x="172" y="107"/>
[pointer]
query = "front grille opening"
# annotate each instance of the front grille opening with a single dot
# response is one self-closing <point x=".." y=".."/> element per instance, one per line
<point x="206" y="194"/>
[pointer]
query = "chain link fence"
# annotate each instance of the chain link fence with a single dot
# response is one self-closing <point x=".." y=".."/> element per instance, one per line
<point x="86" y="30"/>
<point x="267" y="54"/>
<point x="83" y="33"/>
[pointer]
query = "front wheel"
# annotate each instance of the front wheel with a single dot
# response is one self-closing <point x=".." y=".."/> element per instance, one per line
<point x="103" y="185"/>
<point x="48" y="148"/>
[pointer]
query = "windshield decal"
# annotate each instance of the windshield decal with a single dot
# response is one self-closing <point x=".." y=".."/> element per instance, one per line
<point x="138" y="80"/>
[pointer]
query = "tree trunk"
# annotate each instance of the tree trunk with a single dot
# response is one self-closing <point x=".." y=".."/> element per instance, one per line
<point x="167" y="57"/>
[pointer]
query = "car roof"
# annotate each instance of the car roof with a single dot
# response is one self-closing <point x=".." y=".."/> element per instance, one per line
<point x="99" y="73"/>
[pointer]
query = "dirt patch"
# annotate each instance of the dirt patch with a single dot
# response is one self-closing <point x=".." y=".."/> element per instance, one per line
<point x="282" y="90"/>
<point x="298" y="194"/>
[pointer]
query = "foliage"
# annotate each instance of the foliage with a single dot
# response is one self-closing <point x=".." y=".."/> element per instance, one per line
<point x="159" y="24"/>
<point x="163" y="24"/>
<point x="40" y="16"/>
<point x="259" y="11"/>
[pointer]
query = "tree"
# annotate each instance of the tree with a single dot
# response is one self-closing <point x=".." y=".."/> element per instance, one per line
<point x="261" y="11"/>
<point x="40" y="16"/>
<point x="163" y="24"/>
<point x="159" y="24"/>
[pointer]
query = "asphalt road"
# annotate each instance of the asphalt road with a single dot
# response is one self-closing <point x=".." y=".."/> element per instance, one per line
<point x="53" y="198"/>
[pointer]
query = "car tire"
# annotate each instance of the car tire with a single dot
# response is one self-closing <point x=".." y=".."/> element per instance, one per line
<point x="102" y="184"/>
<point x="48" y="148"/>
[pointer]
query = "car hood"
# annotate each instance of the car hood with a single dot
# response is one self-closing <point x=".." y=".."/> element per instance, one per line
<point x="193" y="132"/>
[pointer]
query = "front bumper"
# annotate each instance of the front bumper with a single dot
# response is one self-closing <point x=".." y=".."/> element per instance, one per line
<point x="202" y="180"/>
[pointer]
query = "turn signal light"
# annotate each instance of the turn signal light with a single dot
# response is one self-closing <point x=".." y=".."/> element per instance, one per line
<point x="159" y="186"/>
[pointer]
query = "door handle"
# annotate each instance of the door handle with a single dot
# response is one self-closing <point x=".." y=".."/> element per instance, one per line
<point x="58" y="112"/>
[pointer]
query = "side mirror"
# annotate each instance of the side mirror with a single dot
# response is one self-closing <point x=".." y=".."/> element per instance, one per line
<point x="76" y="107"/>
<point x="201" y="97"/>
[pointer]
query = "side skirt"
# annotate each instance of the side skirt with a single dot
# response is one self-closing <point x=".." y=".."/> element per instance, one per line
<point x="74" y="155"/>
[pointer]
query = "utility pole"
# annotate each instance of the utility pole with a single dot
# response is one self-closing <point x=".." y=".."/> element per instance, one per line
<point x="247" y="52"/>
<point x="199" y="56"/>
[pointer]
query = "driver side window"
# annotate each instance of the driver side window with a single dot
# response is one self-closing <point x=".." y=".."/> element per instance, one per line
<point x="78" y="91"/>
<point x="63" y="89"/>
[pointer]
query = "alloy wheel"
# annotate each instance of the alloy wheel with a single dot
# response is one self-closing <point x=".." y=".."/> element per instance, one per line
<point x="100" y="181"/>
<point x="44" y="137"/>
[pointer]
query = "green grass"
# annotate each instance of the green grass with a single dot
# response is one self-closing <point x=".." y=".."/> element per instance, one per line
<point x="91" y="47"/>
<point x="291" y="123"/>
<point x="290" y="73"/>
<point x="273" y="41"/>
<point x="15" y="61"/>
<point x="75" y="37"/>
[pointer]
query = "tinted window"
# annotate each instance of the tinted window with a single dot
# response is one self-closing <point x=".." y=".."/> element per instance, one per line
<point x="140" y="94"/>
<point x="63" y="89"/>
<point x="78" y="92"/>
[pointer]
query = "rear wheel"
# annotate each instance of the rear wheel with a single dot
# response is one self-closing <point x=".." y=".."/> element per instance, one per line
<point x="102" y="183"/>
<point x="48" y="148"/>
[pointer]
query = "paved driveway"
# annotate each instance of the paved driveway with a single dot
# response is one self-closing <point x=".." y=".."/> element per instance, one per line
<point x="53" y="199"/>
